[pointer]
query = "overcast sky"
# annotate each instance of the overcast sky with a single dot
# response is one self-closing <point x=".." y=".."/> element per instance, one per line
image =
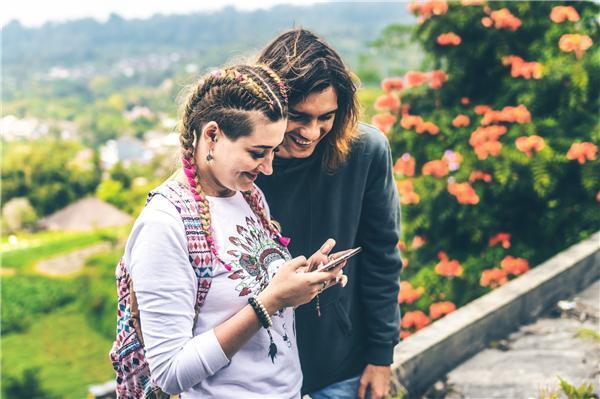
<point x="37" y="12"/>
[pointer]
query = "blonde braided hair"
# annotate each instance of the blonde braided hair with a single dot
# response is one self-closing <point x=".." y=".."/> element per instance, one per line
<point x="225" y="96"/>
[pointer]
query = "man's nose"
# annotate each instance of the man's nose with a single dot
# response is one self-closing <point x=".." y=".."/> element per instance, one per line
<point x="312" y="131"/>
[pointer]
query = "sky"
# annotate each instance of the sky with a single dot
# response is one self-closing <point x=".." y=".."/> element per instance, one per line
<point x="37" y="12"/>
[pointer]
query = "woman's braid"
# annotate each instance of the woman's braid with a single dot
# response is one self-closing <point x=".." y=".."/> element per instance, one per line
<point x="212" y="94"/>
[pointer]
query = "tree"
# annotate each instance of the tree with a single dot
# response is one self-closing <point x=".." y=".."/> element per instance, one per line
<point x="496" y="161"/>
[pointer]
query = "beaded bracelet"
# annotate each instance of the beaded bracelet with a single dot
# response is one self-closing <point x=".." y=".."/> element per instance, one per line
<point x="261" y="312"/>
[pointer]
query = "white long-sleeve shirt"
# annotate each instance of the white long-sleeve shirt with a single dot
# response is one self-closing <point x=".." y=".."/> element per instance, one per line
<point x="188" y="358"/>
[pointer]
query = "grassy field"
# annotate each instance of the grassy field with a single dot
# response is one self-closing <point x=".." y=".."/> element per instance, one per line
<point x="31" y="248"/>
<point x="56" y="332"/>
<point x="69" y="354"/>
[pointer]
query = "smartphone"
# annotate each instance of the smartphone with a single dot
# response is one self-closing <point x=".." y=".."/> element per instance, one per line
<point x="333" y="263"/>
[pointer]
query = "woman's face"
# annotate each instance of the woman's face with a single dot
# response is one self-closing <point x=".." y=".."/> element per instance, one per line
<point x="237" y="163"/>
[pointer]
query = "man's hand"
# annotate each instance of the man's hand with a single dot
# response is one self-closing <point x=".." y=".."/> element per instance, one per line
<point x="377" y="379"/>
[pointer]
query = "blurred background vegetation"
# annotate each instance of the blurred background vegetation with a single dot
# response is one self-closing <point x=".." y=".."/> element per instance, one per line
<point x="89" y="109"/>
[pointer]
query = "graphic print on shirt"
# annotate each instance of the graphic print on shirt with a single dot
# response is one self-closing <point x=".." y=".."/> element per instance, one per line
<point x="255" y="257"/>
<point x="255" y="261"/>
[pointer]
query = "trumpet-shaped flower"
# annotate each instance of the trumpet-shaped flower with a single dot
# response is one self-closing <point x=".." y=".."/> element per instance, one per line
<point x="500" y="238"/>
<point x="439" y="309"/>
<point x="463" y="192"/>
<point x="582" y="152"/>
<point x="447" y="267"/>
<point x="448" y="39"/>
<point x="528" y="144"/>
<point x="405" y="165"/>
<point x="560" y="14"/>
<point x="408" y="294"/>
<point x="384" y="121"/>
<point x="493" y="278"/>
<point x="575" y="43"/>
<point x="515" y="266"/>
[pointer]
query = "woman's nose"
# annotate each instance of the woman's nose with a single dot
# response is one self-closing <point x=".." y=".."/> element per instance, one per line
<point x="266" y="167"/>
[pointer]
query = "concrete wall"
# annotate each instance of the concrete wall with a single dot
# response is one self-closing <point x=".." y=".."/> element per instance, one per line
<point x="428" y="355"/>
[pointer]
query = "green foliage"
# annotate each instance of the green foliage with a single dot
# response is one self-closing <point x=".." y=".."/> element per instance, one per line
<point x="588" y="333"/>
<point x="544" y="200"/>
<point x="25" y="298"/>
<point x="49" y="173"/>
<point x="27" y="386"/>
<point x="584" y="391"/>
<point x="99" y="292"/>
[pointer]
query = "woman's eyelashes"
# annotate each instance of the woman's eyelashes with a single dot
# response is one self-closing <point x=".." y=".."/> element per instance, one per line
<point x="262" y="154"/>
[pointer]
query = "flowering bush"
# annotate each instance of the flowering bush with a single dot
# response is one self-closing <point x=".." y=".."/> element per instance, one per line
<point x="496" y="146"/>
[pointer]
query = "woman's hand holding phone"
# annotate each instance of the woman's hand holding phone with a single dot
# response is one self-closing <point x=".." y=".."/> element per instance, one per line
<point x="322" y="257"/>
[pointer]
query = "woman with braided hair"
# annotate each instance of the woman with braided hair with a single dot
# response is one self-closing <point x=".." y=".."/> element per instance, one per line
<point x="206" y="280"/>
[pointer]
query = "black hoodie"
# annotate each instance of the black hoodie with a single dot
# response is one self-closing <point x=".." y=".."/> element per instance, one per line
<point x="357" y="205"/>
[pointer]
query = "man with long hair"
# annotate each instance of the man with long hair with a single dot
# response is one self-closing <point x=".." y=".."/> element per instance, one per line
<point x="333" y="178"/>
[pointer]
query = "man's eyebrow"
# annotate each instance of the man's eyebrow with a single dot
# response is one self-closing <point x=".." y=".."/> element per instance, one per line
<point x="306" y="115"/>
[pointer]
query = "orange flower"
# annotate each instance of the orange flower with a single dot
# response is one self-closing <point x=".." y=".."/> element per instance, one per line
<point x="502" y="19"/>
<point x="418" y="242"/>
<point x="484" y="141"/>
<point x="493" y="278"/>
<point x="405" y="165"/>
<point x="427" y="9"/>
<point x="448" y="39"/>
<point x="404" y="334"/>
<point x="415" y="78"/>
<point x="515" y="266"/>
<point x="408" y="294"/>
<point x="481" y="109"/>
<point x="463" y="192"/>
<point x="465" y="100"/>
<point x="447" y="267"/>
<point x="575" y="43"/>
<point x="528" y="144"/>
<point x="410" y="121"/>
<point x="401" y="245"/>
<point x="582" y="152"/>
<point x="407" y="195"/>
<point x="461" y="121"/>
<point x="428" y="127"/>
<point x="560" y="14"/>
<point x="479" y="175"/>
<point x="387" y="102"/>
<point x="518" y="114"/>
<point x="520" y="67"/>
<point x="487" y="22"/>
<point x="503" y="238"/>
<point x="394" y="83"/>
<point x="439" y="309"/>
<point x="437" y="78"/>
<point x="416" y="319"/>
<point x="598" y="196"/>
<point x="472" y="2"/>
<point x="384" y="121"/>
<point x="437" y="168"/>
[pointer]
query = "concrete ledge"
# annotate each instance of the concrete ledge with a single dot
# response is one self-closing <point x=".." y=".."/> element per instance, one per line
<point x="428" y="355"/>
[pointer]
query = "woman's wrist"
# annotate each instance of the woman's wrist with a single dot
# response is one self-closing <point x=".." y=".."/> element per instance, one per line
<point x="269" y="301"/>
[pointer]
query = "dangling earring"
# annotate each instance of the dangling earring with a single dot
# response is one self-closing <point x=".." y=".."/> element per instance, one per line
<point x="209" y="157"/>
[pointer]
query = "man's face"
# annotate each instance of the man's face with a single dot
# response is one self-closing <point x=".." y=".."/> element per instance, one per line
<point x="308" y="122"/>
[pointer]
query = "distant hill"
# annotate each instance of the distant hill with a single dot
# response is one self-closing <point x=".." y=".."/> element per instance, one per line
<point x="206" y="39"/>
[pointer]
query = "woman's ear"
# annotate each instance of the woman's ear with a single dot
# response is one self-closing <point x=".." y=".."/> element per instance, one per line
<point x="211" y="131"/>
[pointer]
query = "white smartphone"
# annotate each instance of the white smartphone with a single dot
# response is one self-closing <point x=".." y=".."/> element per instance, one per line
<point x="334" y="262"/>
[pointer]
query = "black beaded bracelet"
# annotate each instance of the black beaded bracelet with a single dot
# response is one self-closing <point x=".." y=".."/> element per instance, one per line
<point x="261" y="312"/>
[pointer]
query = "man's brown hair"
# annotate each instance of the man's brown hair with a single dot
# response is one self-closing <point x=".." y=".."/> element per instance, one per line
<point x="309" y="65"/>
